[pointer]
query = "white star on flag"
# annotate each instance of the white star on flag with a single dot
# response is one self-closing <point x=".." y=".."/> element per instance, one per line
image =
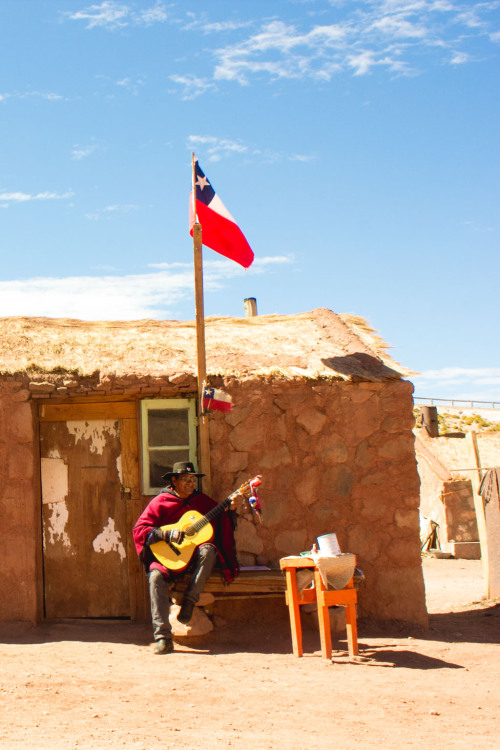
<point x="202" y="182"/>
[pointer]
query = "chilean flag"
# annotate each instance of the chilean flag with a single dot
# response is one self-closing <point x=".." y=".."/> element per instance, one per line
<point x="216" y="400"/>
<point x="219" y="230"/>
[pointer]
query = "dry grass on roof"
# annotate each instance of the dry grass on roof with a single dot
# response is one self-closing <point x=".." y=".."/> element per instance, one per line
<point x="313" y="344"/>
<point x="372" y="338"/>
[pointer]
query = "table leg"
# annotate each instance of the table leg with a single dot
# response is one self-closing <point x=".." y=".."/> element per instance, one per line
<point x="352" y="629"/>
<point x="323" y="617"/>
<point x="294" y="611"/>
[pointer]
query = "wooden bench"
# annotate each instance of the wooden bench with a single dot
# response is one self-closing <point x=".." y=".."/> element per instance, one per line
<point x="252" y="583"/>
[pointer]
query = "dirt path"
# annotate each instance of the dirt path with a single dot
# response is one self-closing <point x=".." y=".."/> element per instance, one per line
<point x="94" y="685"/>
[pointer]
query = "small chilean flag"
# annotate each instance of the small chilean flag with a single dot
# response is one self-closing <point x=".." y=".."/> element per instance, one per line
<point x="216" y="400"/>
<point x="219" y="230"/>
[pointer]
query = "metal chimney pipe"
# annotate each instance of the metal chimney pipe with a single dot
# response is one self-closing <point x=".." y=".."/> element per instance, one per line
<point x="250" y="305"/>
<point x="430" y="424"/>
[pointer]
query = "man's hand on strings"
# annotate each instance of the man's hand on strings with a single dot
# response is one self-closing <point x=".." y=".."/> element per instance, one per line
<point x="174" y="536"/>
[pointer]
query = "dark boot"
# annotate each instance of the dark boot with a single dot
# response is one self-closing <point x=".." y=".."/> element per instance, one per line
<point x="164" y="646"/>
<point x="186" y="611"/>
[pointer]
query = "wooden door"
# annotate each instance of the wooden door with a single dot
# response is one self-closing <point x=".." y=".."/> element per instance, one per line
<point x="89" y="474"/>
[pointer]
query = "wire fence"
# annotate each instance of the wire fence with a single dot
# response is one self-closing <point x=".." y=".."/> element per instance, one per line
<point x="456" y="403"/>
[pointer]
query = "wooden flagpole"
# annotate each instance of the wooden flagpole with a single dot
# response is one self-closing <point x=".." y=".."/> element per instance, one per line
<point x="200" y="341"/>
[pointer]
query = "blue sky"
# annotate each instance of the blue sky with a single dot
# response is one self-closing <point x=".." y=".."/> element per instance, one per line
<point x="355" y="143"/>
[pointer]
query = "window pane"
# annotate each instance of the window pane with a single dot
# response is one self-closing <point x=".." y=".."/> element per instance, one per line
<point x="162" y="461"/>
<point x="168" y="427"/>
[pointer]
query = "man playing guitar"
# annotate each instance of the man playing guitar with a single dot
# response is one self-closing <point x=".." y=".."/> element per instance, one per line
<point x="169" y="552"/>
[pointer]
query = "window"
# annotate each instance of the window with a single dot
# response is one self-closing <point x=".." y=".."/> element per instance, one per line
<point x="168" y="435"/>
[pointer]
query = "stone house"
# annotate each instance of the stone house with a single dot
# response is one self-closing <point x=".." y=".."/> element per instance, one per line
<point x="450" y="466"/>
<point x="92" y="413"/>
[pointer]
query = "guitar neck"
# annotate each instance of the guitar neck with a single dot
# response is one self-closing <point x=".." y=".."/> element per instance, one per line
<point x="211" y="515"/>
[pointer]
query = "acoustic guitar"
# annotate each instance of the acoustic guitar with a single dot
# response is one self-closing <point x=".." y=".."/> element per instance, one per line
<point x="198" y="529"/>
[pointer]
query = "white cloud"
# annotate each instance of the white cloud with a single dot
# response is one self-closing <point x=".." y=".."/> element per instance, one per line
<point x="222" y="268"/>
<point x="132" y="297"/>
<point x="361" y="63"/>
<point x="113" y="209"/>
<point x="49" y="96"/>
<point x="155" y="14"/>
<point x="459" y="58"/>
<point x="398" y="27"/>
<point x="363" y="33"/>
<point x="192" y="86"/>
<point x="199" y="22"/>
<point x="236" y="62"/>
<point x="7" y="198"/>
<point x="395" y="34"/>
<point x="452" y="374"/>
<point x="304" y="158"/>
<point x="108" y="14"/>
<point x="211" y="148"/>
<point x="81" y="152"/>
<point x="470" y="383"/>
<point x="471" y="17"/>
<point x="261" y="263"/>
<point x="131" y="85"/>
<point x="216" y="148"/>
<point x="95" y="297"/>
<point x="114" y="15"/>
<point x="478" y="227"/>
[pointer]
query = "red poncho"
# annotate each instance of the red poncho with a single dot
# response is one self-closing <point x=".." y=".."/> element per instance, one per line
<point x="167" y="508"/>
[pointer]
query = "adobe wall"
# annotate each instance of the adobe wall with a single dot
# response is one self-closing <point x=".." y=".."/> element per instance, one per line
<point x="335" y="457"/>
<point x="457" y="456"/>
<point x="461" y="525"/>
<point x="446" y="465"/>
<point x="488" y="444"/>
<point x="20" y="529"/>
<point x="431" y="496"/>
<point x="20" y="515"/>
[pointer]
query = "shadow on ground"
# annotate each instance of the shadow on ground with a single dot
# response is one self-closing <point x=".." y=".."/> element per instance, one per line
<point x="480" y="624"/>
<point x="382" y="656"/>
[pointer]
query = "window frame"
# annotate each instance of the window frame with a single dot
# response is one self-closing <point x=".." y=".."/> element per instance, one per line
<point x="168" y="404"/>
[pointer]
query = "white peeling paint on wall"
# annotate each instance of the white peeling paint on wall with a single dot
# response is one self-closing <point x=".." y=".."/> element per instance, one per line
<point x="54" y="453"/>
<point x="119" y="467"/>
<point x="96" y="432"/>
<point x="109" y="540"/>
<point x="54" y="480"/>
<point x="56" y="524"/>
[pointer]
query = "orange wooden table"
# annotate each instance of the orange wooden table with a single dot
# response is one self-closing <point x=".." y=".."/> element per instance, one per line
<point x="346" y="597"/>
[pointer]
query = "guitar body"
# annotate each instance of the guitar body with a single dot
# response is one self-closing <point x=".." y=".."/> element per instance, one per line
<point x="167" y="556"/>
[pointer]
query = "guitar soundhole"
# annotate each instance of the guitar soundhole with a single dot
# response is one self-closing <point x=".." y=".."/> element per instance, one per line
<point x="189" y="531"/>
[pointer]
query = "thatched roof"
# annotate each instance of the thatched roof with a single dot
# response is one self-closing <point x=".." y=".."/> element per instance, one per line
<point x="313" y="344"/>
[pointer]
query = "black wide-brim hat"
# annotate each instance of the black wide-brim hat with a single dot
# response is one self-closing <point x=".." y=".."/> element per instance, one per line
<point x="181" y="467"/>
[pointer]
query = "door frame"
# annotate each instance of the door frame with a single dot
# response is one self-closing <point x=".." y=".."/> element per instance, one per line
<point x="127" y="412"/>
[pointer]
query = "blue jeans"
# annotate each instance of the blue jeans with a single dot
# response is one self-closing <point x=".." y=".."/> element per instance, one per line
<point x="159" y="590"/>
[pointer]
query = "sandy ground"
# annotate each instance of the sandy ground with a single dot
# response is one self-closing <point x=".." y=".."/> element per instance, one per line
<point x="92" y="685"/>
